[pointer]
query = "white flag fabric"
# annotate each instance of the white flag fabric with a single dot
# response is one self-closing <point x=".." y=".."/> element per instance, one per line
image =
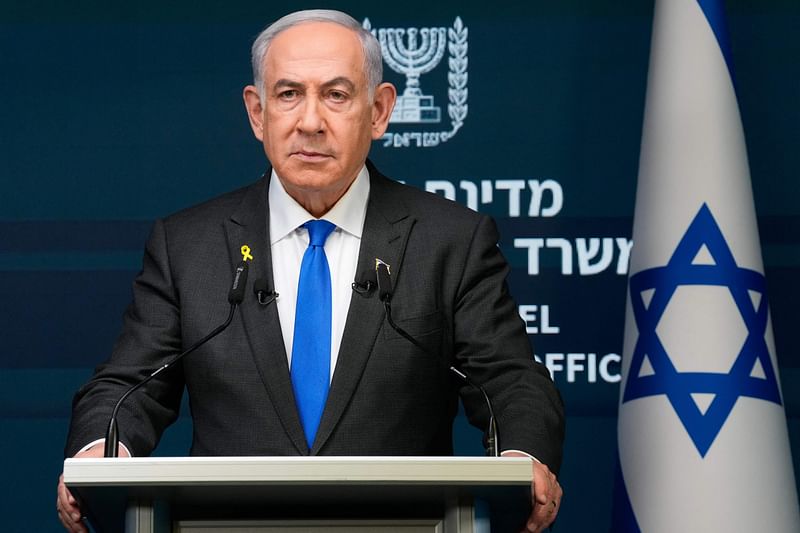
<point x="703" y="444"/>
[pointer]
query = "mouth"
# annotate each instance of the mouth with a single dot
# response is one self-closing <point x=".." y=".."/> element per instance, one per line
<point x="310" y="156"/>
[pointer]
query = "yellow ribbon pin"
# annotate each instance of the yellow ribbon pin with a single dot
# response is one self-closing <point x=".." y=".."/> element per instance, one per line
<point x="246" y="253"/>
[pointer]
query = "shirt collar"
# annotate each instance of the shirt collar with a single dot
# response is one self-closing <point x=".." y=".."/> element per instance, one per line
<point x="286" y="215"/>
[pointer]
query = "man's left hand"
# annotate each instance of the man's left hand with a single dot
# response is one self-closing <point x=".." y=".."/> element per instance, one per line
<point x="545" y="496"/>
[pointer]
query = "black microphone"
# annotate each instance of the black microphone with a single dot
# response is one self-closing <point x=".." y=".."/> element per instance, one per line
<point x="235" y="297"/>
<point x="264" y="294"/>
<point x="385" y="293"/>
<point x="366" y="285"/>
<point x="236" y="294"/>
<point x="385" y="290"/>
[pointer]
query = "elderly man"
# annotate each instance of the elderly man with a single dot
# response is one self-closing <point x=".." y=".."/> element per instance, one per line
<point x="319" y="371"/>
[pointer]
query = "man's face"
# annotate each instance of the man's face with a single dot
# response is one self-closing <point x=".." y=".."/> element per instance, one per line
<point x="317" y="120"/>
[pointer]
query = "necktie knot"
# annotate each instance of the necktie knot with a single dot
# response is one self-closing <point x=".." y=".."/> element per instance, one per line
<point x="318" y="231"/>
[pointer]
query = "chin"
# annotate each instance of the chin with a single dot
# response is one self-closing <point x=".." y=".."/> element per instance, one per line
<point x="309" y="179"/>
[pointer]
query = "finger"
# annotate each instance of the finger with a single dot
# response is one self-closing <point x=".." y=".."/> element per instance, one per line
<point x="66" y="502"/>
<point x="543" y="515"/>
<point x="545" y="491"/>
<point x="71" y="525"/>
<point x="70" y="522"/>
<point x="68" y="511"/>
<point x="63" y="492"/>
<point x="558" y="497"/>
<point x="544" y="483"/>
<point x="546" y="498"/>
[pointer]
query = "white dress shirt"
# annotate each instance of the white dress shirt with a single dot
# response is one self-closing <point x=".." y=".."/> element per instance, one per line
<point x="288" y="243"/>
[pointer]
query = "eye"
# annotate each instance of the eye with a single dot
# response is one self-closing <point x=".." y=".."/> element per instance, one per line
<point x="337" y="96"/>
<point x="288" y="95"/>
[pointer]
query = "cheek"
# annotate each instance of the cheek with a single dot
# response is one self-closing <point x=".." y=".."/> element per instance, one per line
<point x="272" y="146"/>
<point x="358" y="131"/>
<point x="279" y="123"/>
<point x="276" y="131"/>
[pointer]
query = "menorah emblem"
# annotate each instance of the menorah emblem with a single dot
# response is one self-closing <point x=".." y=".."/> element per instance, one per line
<point x="416" y="51"/>
<point x="413" y="58"/>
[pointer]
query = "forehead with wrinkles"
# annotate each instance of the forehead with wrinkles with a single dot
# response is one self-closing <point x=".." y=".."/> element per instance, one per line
<point x="315" y="52"/>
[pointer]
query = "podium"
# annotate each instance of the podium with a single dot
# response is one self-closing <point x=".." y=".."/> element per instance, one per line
<point x="297" y="494"/>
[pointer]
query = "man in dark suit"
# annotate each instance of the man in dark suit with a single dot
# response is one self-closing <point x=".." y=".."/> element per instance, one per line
<point x="316" y="105"/>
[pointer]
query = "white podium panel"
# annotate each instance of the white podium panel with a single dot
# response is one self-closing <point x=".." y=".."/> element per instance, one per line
<point x="271" y="494"/>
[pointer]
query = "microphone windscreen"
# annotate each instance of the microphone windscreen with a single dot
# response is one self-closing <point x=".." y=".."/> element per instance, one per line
<point x="384" y="281"/>
<point x="260" y="285"/>
<point x="236" y="295"/>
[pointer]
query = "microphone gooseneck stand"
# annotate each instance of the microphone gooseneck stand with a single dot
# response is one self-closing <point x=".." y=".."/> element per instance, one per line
<point x="235" y="297"/>
<point x="385" y="293"/>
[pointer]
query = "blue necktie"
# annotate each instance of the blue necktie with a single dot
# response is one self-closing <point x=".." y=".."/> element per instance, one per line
<point x="311" y="348"/>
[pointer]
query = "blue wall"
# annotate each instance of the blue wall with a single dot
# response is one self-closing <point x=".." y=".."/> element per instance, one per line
<point x="113" y="115"/>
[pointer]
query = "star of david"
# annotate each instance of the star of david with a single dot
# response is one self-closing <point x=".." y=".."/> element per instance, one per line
<point x="662" y="377"/>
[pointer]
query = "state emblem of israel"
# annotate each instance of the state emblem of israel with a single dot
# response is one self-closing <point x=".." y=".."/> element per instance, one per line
<point x="412" y="52"/>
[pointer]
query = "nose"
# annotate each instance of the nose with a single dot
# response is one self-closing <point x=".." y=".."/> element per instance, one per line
<point x="311" y="120"/>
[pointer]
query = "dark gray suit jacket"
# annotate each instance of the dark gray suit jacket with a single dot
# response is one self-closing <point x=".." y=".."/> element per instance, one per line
<point x="387" y="397"/>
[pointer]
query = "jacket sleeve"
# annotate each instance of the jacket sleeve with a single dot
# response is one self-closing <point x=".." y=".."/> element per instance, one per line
<point x="492" y="347"/>
<point x="151" y="335"/>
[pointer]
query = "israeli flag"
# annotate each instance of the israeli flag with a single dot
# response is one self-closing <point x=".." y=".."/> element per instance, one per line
<point x="703" y="445"/>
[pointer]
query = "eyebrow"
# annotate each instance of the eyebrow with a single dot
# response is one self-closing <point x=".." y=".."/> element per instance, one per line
<point x="339" y="80"/>
<point x="283" y="82"/>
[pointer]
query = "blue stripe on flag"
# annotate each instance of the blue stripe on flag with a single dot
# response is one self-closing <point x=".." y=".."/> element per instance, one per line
<point x="714" y="10"/>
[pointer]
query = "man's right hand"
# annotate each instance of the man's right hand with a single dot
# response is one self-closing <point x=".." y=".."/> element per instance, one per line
<point x="68" y="511"/>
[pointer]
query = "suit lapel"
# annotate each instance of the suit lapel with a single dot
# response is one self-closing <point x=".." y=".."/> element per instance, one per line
<point x="386" y="230"/>
<point x="248" y="226"/>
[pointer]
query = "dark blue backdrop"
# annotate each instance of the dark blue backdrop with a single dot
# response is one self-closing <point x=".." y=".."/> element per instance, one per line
<point x="114" y="114"/>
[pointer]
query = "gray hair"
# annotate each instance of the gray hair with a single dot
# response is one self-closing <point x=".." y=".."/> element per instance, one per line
<point x="373" y="62"/>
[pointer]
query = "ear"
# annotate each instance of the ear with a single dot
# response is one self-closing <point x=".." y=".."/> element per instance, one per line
<point x="385" y="97"/>
<point x="255" y="110"/>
